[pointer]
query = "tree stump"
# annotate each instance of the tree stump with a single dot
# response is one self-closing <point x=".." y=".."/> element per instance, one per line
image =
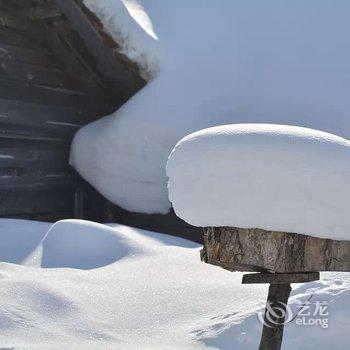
<point x="280" y="258"/>
<point x="241" y="249"/>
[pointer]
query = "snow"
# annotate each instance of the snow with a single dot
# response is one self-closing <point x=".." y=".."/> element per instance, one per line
<point x="153" y="293"/>
<point x="274" y="177"/>
<point x="214" y="63"/>
<point x="19" y="238"/>
<point x="61" y="246"/>
<point x="128" y="23"/>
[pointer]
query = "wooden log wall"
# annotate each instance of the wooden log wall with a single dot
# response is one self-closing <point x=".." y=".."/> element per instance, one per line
<point x="59" y="70"/>
<point x="50" y="86"/>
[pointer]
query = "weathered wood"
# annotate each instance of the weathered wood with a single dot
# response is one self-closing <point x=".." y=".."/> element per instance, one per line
<point x="50" y="85"/>
<point x="13" y="19"/>
<point x="109" y="66"/>
<point x="34" y="182"/>
<point x="31" y="161"/>
<point x="272" y="333"/>
<point x="43" y="11"/>
<point x="35" y="74"/>
<point x="238" y="249"/>
<point x="80" y="53"/>
<point x="280" y="278"/>
<point x="16" y="37"/>
<point x="29" y="203"/>
<point x="49" y="95"/>
<point x="39" y="114"/>
<point x="34" y="131"/>
<point x="18" y="166"/>
<point x="8" y="130"/>
<point x="8" y="6"/>
<point x="38" y="148"/>
<point x="28" y="55"/>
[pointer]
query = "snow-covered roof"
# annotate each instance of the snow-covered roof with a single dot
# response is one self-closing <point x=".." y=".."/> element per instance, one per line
<point x="217" y="63"/>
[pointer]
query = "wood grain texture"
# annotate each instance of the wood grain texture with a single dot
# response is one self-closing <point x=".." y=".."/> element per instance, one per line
<point x="46" y="95"/>
<point x="272" y="334"/>
<point x="54" y="78"/>
<point x="280" y="278"/>
<point x="118" y="75"/>
<point x="239" y="249"/>
<point x="40" y="57"/>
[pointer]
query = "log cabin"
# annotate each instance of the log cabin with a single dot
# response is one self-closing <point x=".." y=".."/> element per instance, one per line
<point x="59" y="70"/>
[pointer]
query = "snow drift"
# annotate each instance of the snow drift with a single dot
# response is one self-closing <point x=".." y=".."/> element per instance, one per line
<point x="217" y="62"/>
<point x="18" y="239"/>
<point x="154" y="300"/>
<point x="80" y="244"/>
<point x="273" y="177"/>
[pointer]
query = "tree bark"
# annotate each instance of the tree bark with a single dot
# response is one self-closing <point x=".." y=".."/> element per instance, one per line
<point x="238" y="249"/>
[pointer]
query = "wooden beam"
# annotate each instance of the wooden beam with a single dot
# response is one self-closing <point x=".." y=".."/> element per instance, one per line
<point x="39" y="115"/>
<point x="43" y="11"/>
<point x="47" y="95"/>
<point x="11" y="36"/>
<point x="13" y="19"/>
<point x="29" y="55"/>
<point x="280" y="278"/>
<point x="36" y="201"/>
<point x="122" y="80"/>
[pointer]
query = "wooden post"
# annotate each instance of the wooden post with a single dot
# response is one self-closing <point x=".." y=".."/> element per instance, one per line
<point x="272" y="334"/>
<point x="280" y="258"/>
<point x="276" y="305"/>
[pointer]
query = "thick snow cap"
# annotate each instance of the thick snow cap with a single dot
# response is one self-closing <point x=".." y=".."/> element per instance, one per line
<point x="274" y="177"/>
<point x="212" y="63"/>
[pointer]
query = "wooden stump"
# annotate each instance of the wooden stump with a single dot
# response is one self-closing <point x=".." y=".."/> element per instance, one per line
<point x="281" y="258"/>
<point x="238" y="249"/>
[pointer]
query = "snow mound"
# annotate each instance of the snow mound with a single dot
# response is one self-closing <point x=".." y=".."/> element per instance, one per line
<point x="156" y="300"/>
<point x="81" y="244"/>
<point x="18" y="238"/>
<point x="220" y="62"/>
<point x="274" y="177"/>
